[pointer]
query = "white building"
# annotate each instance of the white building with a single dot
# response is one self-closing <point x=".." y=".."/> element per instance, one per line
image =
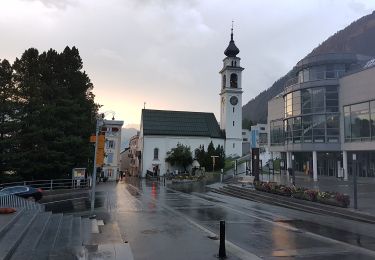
<point x="162" y="130"/>
<point x="112" y="131"/>
<point x="259" y="139"/>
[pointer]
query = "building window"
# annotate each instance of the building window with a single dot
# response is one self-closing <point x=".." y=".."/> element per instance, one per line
<point x="110" y="144"/>
<point x="233" y="123"/>
<point x="233" y="80"/>
<point x="359" y="121"/>
<point x="110" y="158"/>
<point x="233" y="109"/>
<point x="276" y="132"/>
<point x="156" y="153"/>
<point x="234" y="145"/>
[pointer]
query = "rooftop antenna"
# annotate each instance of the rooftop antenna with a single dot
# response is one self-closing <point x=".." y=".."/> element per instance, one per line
<point x="144" y="105"/>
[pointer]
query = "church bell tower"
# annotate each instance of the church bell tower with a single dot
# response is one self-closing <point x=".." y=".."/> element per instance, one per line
<point x="231" y="100"/>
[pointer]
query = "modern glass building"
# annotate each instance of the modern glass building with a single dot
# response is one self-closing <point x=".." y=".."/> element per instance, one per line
<point x="305" y="119"/>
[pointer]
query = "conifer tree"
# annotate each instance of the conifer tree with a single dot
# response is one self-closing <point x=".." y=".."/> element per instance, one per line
<point x="57" y="113"/>
<point x="8" y="120"/>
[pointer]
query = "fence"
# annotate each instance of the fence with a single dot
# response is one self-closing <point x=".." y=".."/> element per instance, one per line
<point x="51" y="184"/>
<point x="18" y="202"/>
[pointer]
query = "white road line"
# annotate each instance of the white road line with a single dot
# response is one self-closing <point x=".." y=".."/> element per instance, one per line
<point x="356" y="248"/>
<point x="231" y="247"/>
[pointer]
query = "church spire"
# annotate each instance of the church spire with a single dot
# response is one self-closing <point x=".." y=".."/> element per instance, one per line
<point x="231" y="50"/>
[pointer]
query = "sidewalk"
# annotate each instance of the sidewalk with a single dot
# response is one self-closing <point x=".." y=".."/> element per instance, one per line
<point x="365" y="187"/>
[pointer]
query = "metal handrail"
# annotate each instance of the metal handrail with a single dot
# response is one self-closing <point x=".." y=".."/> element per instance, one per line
<point x="18" y="202"/>
<point x="322" y="75"/>
<point x="51" y="184"/>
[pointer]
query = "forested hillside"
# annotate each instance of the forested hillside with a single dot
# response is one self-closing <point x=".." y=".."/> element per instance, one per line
<point x="358" y="37"/>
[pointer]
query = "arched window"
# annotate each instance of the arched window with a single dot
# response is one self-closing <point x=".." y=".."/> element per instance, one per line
<point x="233" y="80"/>
<point x="235" y="63"/>
<point x="156" y="153"/>
<point x="224" y="80"/>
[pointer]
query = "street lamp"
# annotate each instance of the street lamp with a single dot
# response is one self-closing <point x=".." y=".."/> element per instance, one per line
<point x="99" y="123"/>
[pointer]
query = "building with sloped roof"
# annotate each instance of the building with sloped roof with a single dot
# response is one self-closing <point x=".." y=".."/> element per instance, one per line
<point x="162" y="130"/>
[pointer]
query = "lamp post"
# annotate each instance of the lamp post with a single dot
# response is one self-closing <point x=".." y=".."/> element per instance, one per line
<point x="99" y="123"/>
<point x="293" y="175"/>
<point x="355" y="180"/>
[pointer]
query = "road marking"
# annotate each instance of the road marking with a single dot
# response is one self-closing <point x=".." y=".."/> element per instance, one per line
<point x="317" y="236"/>
<point x="231" y="247"/>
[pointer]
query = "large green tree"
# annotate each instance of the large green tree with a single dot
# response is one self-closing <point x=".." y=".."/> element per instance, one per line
<point x="180" y="156"/>
<point x="8" y="118"/>
<point x="57" y="113"/>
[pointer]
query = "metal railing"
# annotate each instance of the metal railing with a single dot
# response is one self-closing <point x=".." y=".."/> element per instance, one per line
<point x="314" y="76"/>
<point x="13" y="201"/>
<point x="55" y="184"/>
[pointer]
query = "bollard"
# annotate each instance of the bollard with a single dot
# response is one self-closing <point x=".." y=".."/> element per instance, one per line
<point x="164" y="180"/>
<point x="222" y="253"/>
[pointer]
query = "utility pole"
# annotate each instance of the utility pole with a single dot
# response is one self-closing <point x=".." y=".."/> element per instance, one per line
<point x="99" y="122"/>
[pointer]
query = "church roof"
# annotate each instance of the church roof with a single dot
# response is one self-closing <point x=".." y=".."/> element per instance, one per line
<point x="231" y="50"/>
<point x="180" y="123"/>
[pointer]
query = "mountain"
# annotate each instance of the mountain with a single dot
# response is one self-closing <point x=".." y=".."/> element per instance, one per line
<point x="126" y="134"/>
<point x="358" y="37"/>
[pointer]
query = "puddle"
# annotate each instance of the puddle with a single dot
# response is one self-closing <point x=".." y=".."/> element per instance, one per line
<point x="334" y="233"/>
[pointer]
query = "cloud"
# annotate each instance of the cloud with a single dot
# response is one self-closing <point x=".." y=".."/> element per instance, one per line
<point x="60" y="4"/>
<point x="168" y="52"/>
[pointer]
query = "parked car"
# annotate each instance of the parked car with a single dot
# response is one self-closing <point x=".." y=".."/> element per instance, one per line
<point x="26" y="192"/>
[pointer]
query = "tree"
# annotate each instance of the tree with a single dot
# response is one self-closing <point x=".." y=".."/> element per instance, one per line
<point x="201" y="155"/>
<point x="8" y="113"/>
<point x="246" y="123"/>
<point x="205" y="158"/>
<point x="57" y="113"/>
<point x="180" y="155"/>
<point x="220" y="161"/>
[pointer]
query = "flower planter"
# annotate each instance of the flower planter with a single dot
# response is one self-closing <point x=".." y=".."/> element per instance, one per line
<point x="334" y="199"/>
<point x="329" y="198"/>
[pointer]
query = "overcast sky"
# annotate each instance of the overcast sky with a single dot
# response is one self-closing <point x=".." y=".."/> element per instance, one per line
<point x="168" y="53"/>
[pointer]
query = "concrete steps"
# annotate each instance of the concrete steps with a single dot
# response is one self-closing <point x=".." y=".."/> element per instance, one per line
<point x="293" y="203"/>
<point x="31" y="234"/>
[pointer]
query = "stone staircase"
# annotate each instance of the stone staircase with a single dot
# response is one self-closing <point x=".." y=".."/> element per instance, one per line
<point x="33" y="234"/>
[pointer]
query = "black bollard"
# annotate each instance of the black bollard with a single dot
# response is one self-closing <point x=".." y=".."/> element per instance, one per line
<point x="164" y="180"/>
<point x="222" y="253"/>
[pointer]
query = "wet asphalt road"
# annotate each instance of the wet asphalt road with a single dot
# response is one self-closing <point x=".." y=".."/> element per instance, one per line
<point x="177" y="221"/>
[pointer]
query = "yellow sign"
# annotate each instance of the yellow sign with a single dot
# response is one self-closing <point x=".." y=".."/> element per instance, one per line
<point x="100" y="149"/>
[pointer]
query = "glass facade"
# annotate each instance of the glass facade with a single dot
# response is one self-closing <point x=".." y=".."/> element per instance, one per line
<point x="328" y="71"/>
<point x="312" y="115"/>
<point x="277" y="132"/>
<point x="359" y="121"/>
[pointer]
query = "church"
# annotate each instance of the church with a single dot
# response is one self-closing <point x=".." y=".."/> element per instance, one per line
<point x="162" y="130"/>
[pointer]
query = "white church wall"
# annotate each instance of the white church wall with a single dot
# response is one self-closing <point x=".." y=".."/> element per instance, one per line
<point x="165" y="144"/>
